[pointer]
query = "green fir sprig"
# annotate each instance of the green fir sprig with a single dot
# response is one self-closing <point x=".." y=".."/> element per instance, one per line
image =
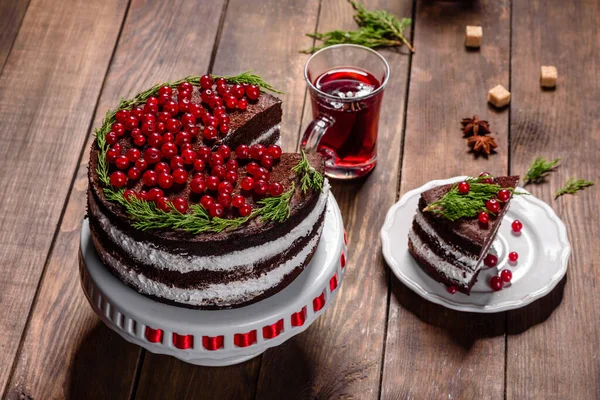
<point x="146" y="215"/>
<point x="377" y="28"/>
<point x="455" y="205"/>
<point x="310" y="178"/>
<point x="572" y="186"/>
<point x="140" y="98"/>
<point x="249" y="78"/>
<point x="539" y="169"/>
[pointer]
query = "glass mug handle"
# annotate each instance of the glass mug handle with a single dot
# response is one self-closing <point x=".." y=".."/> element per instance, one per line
<point x="315" y="131"/>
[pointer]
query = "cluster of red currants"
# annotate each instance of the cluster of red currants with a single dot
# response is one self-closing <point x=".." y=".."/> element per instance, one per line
<point x="492" y="205"/>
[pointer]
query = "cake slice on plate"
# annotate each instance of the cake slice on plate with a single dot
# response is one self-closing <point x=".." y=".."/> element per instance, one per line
<point x="455" y="226"/>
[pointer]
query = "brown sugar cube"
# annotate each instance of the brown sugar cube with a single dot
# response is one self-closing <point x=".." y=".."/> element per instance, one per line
<point x="499" y="96"/>
<point x="548" y="76"/>
<point x="473" y="36"/>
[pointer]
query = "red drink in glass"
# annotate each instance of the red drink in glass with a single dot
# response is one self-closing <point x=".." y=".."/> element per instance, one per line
<point x="346" y="85"/>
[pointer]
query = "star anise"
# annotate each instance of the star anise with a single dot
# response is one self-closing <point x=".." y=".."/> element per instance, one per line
<point x="482" y="144"/>
<point x="475" y="126"/>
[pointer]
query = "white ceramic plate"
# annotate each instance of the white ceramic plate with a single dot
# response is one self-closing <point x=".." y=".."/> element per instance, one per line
<point x="542" y="245"/>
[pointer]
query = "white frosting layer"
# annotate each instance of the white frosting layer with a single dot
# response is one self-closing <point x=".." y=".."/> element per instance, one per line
<point x="265" y="135"/>
<point x="448" y="269"/>
<point x="465" y="259"/>
<point x="148" y="253"/>
<point x="224" y="294"/>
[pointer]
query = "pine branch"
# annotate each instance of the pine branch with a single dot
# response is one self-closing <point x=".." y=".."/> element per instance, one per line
<point x="310" y="178"/>
<point x="376" y="29"/>
<point x="540" y="169"/>
<point x="249" y="78"/>
<point x="572" y="186"/>
<point x="454" y="205"/>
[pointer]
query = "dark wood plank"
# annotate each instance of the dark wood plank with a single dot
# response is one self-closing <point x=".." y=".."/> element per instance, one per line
<point x="340" y="355"/>
<point x="432" y="352"/>
<point x="553" y="344"/>
<point x="11" y="16"/>
<point x="251" y="38"/>
<point x="47" y="96"/>
<point x="67" y="351"/>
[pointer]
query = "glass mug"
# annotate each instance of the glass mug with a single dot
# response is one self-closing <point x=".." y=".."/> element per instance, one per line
<point x="346" y="84"/>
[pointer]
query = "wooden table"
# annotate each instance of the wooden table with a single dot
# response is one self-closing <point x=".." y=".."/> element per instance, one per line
<point x="64" y="63"/>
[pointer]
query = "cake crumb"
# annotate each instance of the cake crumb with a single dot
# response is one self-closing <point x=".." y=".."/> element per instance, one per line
<point x="473" y="36"/>
<point x="499" y="96"/>
<point x="548" y="76"/>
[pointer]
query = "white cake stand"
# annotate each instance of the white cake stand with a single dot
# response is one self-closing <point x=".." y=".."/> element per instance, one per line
<point x="223" y="337"/>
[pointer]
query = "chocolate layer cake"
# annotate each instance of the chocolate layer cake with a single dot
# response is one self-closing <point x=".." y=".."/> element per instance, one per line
<point x="452" y="252"/>
<point x="204" y="246"/>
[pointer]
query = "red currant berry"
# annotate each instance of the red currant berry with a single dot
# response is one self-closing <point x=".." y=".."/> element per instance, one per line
<point x="266" y="161"/>
<point x="503" y="195"/>
<point x="225" y="187"/>
<point x="155" y="140"/>
<point x="168" y="137"/>
<point x="464" y="187"/>
<point x="493" y="205"/>
<point x="242" y="152"/>
<point x="180" y="204"/>
<point x="188" y="156"/>
<point x="148" y="128"/>
<point x="176" y="162"/>
<point x="232" y="165"/>
<point x="195" y="109"/>
<point x="484" y="217"/>
<point x="199" y="165"/>
<point x="122" y="162"/>
<point x="171" y="108"/>
<point x="131" y="123"/>
<point x="513" y="256"/>
<point x="198" y="185"/>
<point x="149" y="178"/>
<point x="242" y="104"/>
<point x="206" y="201"/>
<point x="118" y="128"/>
<point x="488" y="177"/>
<point x="111" y="155"/>
<point x="247" y="183"/>
<point x="152" y="100"/>
<point x="141" y="164"/>
<point x="252" y="168"/>
<point x="122" y="115"/>
<point x="253" y="92"/>
<point x="212" y="183"/>
<point x="168" y="150"/>
<point x="517" y="225"/>
<point x="274" y="151"/>
<point x="452" y="289"/>
<point x="216" y="210"/>
<point x="206" y="95"/>
<point x="231" y="176"/>
<point x="203" y="153"/>
<point x="237" y="201"/>
<point x="206" y="82"/>
<point x="224" y="199"/>
<point x="245" y="210"/>
<point x="260" y="187"/>
<point x="215" y="159"/>
<point x="129" y="194"/>
<point x="496" y="283"/>
<point x="111" y="138"/>
<point x="118" y="179"/>
<point x="184" y="95"/>
<point x="165" y="90"/>
<point x="183" y="138"/>
<point x="231" y="102"/>
<point x="506" y="275"/>
<point x="210" y="120"/>
<point x="491" y="260"/>
<point x="188" y="119"/>
<point x="133" y="154"/>
<point x="257" y="151"/>
<point x="142" y="195"/>
<point x="160" y="127"/>
<point x="215" y="101"/>
<point x="210" y="133"/>
<point x="151" y="108"/>
<point x="192" y="130"/>
<point x="180" y="176"/>
<point x="149" y="119"/>
<point x="219" y="171"/>
<point x="221" y="81"/>
<point x="262" y="173"/>
<point x="139" y="140"/>
<point x="117" y="147"/>
<point x="275" y="189"/>
<point x="224" y="129"/>
<point x="173" y="125"/>
<point x="137" y="112"/>
<point x="134" y="174"/>
<point x="162" y="204"/>
<point x="184" y="86"/>
<point x="222" y="89"/>
<point x="154" y="194"/>
<point x="238" y="91"/>
<point x="165" y="180"/>
<point x="163" y="98"/>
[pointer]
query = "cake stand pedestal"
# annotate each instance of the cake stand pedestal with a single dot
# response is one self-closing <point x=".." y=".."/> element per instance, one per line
<point x="222" y="337"/>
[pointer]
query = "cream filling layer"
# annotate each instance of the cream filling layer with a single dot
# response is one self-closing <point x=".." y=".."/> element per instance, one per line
<point x="265" y="135"/>
<point x="148" y="253"/>
<point x="465" y="259"/>
<point x="221" y="294"/>
<point x="446" y="268"/>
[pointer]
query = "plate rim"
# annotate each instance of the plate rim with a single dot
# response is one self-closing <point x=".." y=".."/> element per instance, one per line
<point x="491" y="308"/>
